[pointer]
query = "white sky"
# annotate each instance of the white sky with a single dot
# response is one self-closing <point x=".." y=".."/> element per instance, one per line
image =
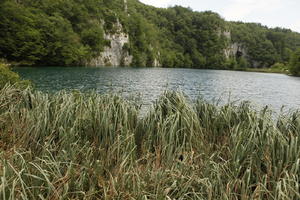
<point x="273" y="13"/>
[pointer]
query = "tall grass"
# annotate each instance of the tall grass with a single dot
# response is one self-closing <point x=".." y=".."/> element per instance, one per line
<point x="71" y="145"/>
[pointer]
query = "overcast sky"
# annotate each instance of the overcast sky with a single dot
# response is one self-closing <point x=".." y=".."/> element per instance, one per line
<point x="273" y="13"/>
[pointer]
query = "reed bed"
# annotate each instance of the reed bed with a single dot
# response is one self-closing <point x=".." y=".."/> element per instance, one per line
<point x="71" y="145"/>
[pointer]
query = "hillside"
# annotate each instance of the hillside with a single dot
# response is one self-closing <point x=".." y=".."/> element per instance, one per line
<point x="129" y="33"/>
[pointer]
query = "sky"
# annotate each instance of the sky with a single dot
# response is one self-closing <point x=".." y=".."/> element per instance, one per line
<point x="273" y="13"/>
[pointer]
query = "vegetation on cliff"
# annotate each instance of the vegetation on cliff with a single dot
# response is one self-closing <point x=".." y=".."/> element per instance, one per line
<point x="71" y="32"/>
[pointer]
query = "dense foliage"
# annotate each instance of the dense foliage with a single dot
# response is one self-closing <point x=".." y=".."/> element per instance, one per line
<point x="263" y="45"/>
<point x="295" y="63"/>
<point x="57" y="32"/>
<point x="91" y="146"/>
<point x="53" y="32"/>
<point x="182" y="37"/>
<point x="9" y="77"/>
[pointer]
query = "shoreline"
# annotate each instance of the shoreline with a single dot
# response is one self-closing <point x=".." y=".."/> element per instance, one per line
<point x="259" y="70"/>
<point x="264" y="70"/>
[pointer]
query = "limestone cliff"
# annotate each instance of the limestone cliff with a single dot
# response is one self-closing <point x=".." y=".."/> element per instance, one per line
<point x="238" y="49"/>
<point x="235" y="50"/>
<point x="156" y="63"/>
<point x="115" y="54"/>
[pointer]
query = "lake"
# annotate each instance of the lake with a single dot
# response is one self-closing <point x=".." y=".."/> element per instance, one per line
<point x="275" y="90"/>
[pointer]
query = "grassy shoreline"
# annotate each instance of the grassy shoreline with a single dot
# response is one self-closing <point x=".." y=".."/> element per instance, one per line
<point x="91" y="146"/>
<point x="265" y="70"/>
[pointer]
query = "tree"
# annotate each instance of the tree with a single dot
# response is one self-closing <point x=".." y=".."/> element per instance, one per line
<point x="295" y="63"/>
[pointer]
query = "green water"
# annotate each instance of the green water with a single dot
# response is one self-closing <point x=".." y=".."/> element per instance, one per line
<point x="275" y="90"/>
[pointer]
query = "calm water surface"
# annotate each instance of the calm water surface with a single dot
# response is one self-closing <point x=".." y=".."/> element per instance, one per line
<point x="276" y="90"/>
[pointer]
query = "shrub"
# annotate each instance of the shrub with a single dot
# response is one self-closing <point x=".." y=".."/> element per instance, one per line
<point x="8" y="76"/>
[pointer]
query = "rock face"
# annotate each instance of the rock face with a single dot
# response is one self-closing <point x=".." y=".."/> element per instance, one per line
<point x="125" y="6"/>
<point x="115" y="54"/>
<point x="156" y="63"/>
<point x="235" y="50"/>
<point x="239" y="50"/>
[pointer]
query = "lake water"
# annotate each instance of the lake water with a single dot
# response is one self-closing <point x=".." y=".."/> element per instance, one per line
<point x="276" y="90"/>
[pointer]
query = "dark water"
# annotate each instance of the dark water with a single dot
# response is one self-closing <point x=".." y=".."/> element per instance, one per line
<point x="276" y="90"/>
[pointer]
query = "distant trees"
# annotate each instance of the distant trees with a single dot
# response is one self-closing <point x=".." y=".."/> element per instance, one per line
<point x="184" y="38"/>
<point x="265" y="46"/>
<point x="52" y="32"/>
<point x="295" y="63"/>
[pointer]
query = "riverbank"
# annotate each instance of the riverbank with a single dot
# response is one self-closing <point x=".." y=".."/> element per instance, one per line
<point x="279" y="68"/>
<point x="265" y="70"/>
<point x="248" y="69"/>
<point x="91" y="146"/>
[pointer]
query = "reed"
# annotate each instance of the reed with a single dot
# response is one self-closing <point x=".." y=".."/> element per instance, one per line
<point x="71" y="145"/>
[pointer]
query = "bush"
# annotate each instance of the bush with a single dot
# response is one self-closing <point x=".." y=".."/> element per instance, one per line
<point x="280" y="66"/>
<point x="230" y="63"/>
<point x="9" y="77"/>
<point x="242" y="63"/>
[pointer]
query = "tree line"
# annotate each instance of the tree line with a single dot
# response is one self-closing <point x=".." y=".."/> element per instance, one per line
<point x="70" y="32"/>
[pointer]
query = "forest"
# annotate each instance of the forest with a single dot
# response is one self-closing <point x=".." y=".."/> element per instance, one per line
<point x="71" y="32"/>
